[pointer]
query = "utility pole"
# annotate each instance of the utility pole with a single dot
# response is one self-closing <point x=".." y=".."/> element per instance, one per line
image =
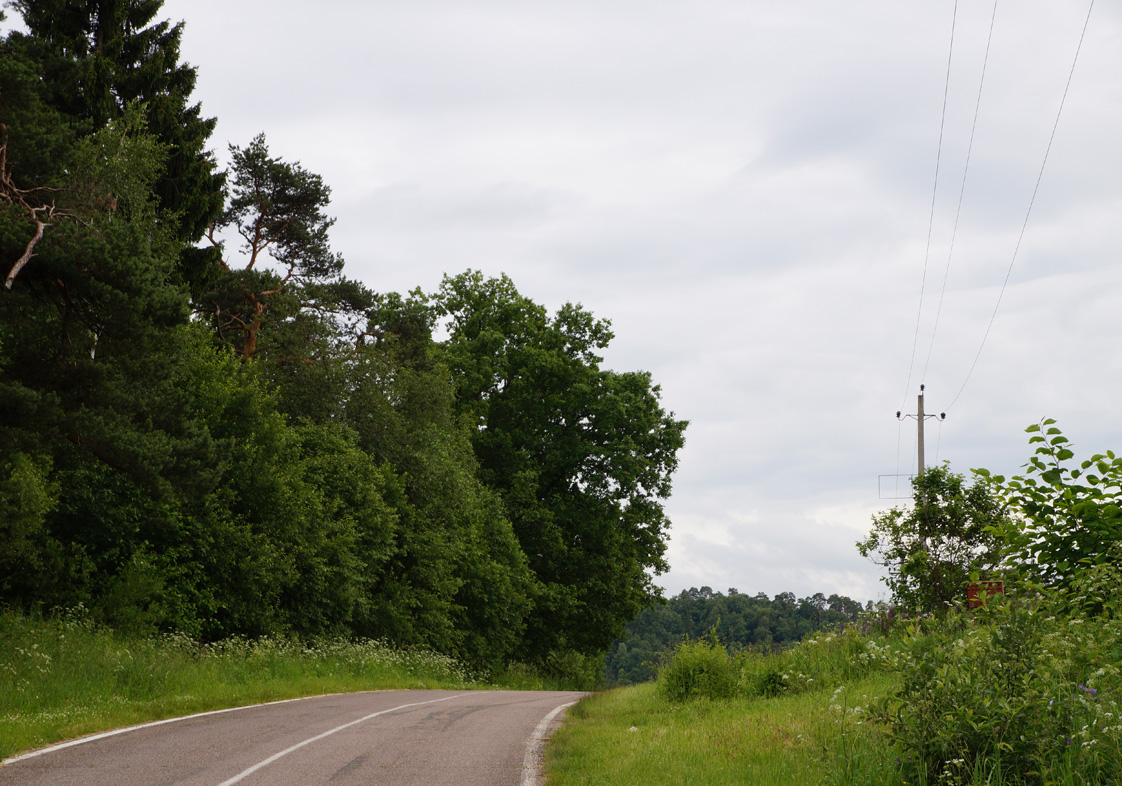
<point x="920" y="417"/>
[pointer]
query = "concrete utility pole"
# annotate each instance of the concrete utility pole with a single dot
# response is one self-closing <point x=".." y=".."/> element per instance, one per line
<point x="920" y="417"/>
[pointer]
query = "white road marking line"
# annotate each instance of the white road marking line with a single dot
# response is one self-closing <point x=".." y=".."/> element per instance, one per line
<point x="535" y="748"/>
<point x="114" y="732"/>
<point x="246" y="773"/>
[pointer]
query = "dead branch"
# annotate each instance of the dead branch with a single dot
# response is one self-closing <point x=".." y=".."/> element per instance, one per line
<point x="36" y="209"/>
<point x="27" y="254"/>
<point x="10" y="193"/>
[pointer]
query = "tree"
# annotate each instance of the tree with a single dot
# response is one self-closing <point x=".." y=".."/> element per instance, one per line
<point x="458" y="579"/>
<point x="1067" y="520"/>
<point x="95" y="58"/>
<point x="933" y="548"/>
<point x="582" y="457"/>
<point x="288" y="284"/>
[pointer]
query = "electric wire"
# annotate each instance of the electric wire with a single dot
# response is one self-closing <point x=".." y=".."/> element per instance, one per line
<point x="931" y="216"/>
<point x="961" y="191"/>
<point x="930" y="225"/>
<point x="1032" y="201"/>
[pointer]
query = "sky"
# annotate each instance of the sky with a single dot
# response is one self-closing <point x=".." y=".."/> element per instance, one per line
<point x="767" y="200"/>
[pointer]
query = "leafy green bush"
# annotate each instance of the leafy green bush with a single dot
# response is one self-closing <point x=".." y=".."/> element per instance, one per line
<point x="1069" y="519"/>
<point x="1025" y="691"/>
<point x="699" y="669"/>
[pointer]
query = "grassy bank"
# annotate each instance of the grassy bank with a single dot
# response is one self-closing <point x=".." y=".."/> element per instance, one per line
<point x="63" y="678"/>
<point x="633" y="736"/>
<point x="1025" y="693"/>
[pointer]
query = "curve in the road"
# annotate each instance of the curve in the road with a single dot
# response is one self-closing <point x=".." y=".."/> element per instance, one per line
<point x="477" y="738"/>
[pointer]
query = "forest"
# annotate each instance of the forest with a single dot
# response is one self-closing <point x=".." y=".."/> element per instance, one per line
<point x="206" y="427"/>
<point x="736" y="621"/>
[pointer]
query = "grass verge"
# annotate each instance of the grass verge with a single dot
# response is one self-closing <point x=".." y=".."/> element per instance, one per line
<point x="64" y="678"/>
<point x="634" y="736"/>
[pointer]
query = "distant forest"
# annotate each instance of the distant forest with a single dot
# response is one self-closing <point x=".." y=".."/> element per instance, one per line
<point x="739" y="622"/>
<point x="207" y="427"/>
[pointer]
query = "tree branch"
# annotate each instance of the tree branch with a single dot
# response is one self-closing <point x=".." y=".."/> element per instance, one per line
<point x="27" y="254"/>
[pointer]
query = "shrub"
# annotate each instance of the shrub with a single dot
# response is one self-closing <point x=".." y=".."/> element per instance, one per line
<point x="1021" y="690"/>
<point x="699" y="669"/>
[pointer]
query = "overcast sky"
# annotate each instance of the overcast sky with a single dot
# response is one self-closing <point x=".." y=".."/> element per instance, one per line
<point x="744" y="189"/>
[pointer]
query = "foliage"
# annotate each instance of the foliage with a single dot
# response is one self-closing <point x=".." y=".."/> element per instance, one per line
<point x="698" y="669"/>
<point x="704" y="667"/>
<point x="97" y="57"/>
<point x="824" y="660"/>
<point x="222" y="442"/>
<point x="634" y="735"/>
<point x="276" y="208"/>
<point x="1019" y="693"/>
<point x="581" y="457"/>
<point x="1068" y="519"/>
<point x="934" y="548"/>
<point x="1023" y="691"/>
<point x="741" y="622"/>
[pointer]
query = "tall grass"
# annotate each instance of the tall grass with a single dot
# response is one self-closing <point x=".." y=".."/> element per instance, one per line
<point x="63" y="677"/>
<point x="1022" y="693"/>
<point x="634" y="736"/>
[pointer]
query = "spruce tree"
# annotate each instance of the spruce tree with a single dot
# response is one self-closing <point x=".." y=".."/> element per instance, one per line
<point x="99" y="56"/>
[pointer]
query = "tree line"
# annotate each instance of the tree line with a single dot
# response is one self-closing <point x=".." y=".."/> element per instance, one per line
<point x="207" y="427"/>
<point x="737" y="621"/>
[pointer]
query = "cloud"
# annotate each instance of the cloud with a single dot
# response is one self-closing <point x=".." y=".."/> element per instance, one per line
<point x="744" y="190"/>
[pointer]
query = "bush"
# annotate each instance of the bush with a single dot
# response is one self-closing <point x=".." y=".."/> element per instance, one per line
<point x="699" y="669"/>
<point x="1021" y="690"/>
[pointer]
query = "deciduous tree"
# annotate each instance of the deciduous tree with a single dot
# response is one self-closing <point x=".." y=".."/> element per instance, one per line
<point x="933" y="548"/>
<point x="581" y="456"/>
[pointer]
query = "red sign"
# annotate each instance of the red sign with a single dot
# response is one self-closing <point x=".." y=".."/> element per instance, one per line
<point x="975" y="590"/>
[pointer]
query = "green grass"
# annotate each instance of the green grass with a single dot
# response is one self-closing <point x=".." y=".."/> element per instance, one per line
<point x="633" y="736"/>
<point x="1021" y="693"/>
<point x="63" y="678"/>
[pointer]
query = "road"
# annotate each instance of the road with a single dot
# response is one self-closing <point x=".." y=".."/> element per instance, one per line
<point x="389" y="738"/>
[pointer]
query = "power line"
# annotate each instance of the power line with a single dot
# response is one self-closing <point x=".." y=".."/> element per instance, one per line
<point x="934" y="191"/>
<point x="1032" y="201"/>
<point x="961" y="190"/>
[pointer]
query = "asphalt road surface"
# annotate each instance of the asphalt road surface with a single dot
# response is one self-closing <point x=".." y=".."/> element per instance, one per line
<point x="389" y="738"/>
